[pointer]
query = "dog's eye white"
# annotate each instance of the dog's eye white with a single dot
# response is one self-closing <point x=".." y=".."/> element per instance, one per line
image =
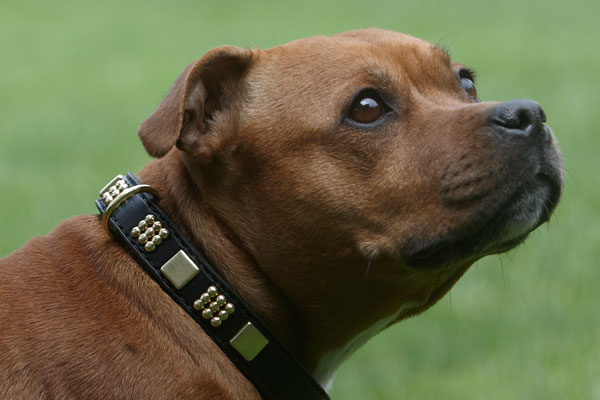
<point x="366" y="109"/>
<point x="469" y="87"/>
<point x="467" y="82"/>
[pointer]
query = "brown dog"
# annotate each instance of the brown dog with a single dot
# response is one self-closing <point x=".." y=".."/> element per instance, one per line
<point x="339" y="184"/>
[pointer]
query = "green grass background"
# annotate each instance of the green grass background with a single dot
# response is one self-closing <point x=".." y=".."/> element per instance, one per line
<point x="77" y="77"/>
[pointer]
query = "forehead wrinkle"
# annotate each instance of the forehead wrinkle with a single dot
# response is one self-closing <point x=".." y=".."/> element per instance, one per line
<point x="375" y="70"/>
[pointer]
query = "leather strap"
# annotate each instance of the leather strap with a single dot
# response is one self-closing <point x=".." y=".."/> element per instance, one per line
<point x="195" y="286"/>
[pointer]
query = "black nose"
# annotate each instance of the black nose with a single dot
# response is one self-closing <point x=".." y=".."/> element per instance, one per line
<point x="519" y="117"/>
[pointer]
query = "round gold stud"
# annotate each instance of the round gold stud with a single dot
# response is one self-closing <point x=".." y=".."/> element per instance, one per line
<point x="198" y="304"/>
<point x="212" y="291"/>
<point x="142" y="239"/>
<point x="149" y="246"/>
<point x="221" y="300"/>
<point x="121" y="185"/>
<point x="142" y="225"/>
<point x="223" y="315"/>
<point x="149" y="219"/>
<point x="157" y="240"/>
<point x="107" y="198"/>
<point x="164" y="233"/>
<point x="149" y="232"/>
<point x="215" y="321"/>
<point x="205" y="298"/>
<point x="135" y="232"/>
<point x="157" y="226"/>
<point x="206" y="313"/>
<point x="229" y="308"/>
<point x="214" y="307"/>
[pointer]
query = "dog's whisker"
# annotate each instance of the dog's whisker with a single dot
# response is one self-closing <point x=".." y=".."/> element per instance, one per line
<point x="502" y="269"/>
<point x="368" y="269"/>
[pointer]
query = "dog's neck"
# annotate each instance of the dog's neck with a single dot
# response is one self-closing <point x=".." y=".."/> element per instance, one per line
<point x="180" y="199"/>
<point x="330" y="323"/>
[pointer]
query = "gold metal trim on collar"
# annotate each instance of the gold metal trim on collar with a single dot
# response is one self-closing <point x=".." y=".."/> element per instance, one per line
<point x="112" y="189"/>
<point x="214" y="306"/>
<point x="249" y="342"/>
<point x="149" y="233"/>
<point x="180" y="269"/>
<point x="121" y="197"/>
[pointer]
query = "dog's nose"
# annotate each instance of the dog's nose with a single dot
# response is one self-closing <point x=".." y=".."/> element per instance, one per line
<point x="519" y="117"/>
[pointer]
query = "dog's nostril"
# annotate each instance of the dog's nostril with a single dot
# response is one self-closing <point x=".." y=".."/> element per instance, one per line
<point x="543" y="115"/>
<point x="523" y="119"/>
<point x="517" y="116"/>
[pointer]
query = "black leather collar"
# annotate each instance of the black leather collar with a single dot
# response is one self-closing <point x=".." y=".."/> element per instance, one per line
<point x="189" y="279"/>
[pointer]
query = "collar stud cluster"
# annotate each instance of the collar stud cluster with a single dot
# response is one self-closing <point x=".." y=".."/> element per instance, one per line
<point x="149" y="232"/>
<point x="214" y="306"/>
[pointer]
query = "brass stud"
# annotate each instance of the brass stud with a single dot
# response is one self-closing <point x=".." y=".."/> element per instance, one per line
<point x="215" y="306"/>
<point x="135" y="232"/>
<point x="149" y="230"/>
<point x="113" y="182"/>
<point x="149" y="246"/>
<point x="143" y="239"/>
<point x="212" y="291"/>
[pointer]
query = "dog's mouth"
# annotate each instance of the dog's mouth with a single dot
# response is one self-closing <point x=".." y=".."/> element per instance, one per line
<point x="529" y="207"/>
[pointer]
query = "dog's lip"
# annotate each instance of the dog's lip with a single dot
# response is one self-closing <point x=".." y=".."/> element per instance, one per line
<point x="551" y="183"/>
<point x="555" y="186"/>
<point x="487" y="240"/>
<point x="490" y="243"/>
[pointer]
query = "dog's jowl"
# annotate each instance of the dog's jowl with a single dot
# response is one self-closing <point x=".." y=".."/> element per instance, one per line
<point x="302" y="199"/>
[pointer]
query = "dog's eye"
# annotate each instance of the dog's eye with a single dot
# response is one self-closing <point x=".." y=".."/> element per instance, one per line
<point x="366" y="108"/>
<point x="467" y="82"/>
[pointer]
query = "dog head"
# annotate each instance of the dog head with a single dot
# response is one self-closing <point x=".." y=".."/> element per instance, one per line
<point x="360" y="172"/>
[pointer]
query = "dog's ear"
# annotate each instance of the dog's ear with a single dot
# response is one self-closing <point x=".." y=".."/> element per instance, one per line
<point x="196" y="94"/>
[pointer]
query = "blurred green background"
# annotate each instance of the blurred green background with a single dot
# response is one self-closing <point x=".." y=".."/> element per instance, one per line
<point x="77" y="77"/>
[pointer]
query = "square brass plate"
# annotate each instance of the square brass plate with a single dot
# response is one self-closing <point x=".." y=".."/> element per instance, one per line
<point x="180" y="269"/>
<point x="249" y="342"/>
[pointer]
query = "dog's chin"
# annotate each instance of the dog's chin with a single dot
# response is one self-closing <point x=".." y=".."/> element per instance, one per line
<point x="524" y="212"/>
<point x="503" y="230"/>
